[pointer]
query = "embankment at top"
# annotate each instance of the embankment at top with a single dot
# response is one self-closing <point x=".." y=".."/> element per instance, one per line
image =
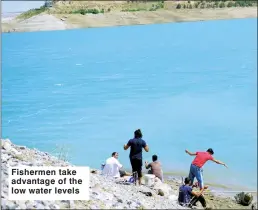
<point x="47" y="21"/>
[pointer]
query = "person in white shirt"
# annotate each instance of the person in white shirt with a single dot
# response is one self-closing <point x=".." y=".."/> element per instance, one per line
<point x="113" y="167"/>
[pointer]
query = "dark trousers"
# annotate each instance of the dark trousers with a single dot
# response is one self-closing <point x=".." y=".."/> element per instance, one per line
<point x="137" y="166"/>
<point x="196" y="199"/>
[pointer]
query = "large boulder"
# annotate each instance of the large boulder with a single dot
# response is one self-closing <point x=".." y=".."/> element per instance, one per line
<point x="8" y="147"/>
<point x="244" y="199"/>
<point x="162" y="189"/>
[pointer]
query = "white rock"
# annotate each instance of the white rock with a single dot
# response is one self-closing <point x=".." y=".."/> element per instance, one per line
<point x="165" y="188"/>
<point x="54" y="206"/>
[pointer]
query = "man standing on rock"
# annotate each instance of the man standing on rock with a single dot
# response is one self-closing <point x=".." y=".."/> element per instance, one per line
<point x="136" y="144"/>
<point x="197" y="164"/>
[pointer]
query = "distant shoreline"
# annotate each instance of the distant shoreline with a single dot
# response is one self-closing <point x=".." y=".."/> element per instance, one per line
<point x="49" y="22"/>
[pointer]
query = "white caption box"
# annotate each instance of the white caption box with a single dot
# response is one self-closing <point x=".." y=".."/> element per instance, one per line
<point x="71" y="184"/>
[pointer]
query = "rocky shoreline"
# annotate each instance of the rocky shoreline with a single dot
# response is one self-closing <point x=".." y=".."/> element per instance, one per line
<point x="105" y="193"/>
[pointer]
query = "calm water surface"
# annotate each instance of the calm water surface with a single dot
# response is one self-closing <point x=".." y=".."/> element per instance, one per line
<point x="186" y="85"/>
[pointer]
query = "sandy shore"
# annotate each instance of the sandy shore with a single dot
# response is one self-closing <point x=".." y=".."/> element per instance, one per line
<point x="46" y="22"/>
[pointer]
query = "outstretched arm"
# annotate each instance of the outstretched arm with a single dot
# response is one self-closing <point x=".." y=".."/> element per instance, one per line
<point x="219" y="162"/>
<point x="190" y="153"/>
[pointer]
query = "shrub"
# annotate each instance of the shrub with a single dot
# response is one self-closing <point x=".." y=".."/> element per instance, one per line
<point x="32" y="12"/>
<point x="241" y="3"/>
<point x="190" y="6"/>
<point x="109" y="10"/>
<point x="222" y="5"/>
<point x="160" y="5"/>
<point x="249" y="4"/>
<point x="208" y="5"/>
<point x="157" y="6"/>
<point x="178" y="6"/>
<point x="86" y="11"/>
<point x="230" y="4"/>
<point x="202" y="5"/>
<point x="196" y="5"/>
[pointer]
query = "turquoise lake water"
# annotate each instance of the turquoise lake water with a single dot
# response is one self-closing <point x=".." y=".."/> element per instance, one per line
<point x="186" y="85"/>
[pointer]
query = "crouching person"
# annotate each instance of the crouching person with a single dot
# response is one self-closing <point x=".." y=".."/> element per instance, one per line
<point x="188" y="198"/>
<point x="113" y="167"/>
<point x="155" y="167"/>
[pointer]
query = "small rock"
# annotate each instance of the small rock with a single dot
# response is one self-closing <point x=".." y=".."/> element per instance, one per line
<point x="54" y="206"/>
<point x="71" y="204"/>
<point x="160" y="192"/>
<point x="254" y="206"/>
<point x="9" y="204"/>
<point x="39" y="206"/>
<point x="22" y="147"/>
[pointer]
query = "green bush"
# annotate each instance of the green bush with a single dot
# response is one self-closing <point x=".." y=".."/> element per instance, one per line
<point x="241" y="3"/>
<point x="87" y="11"/>
<point x="157" y="6"/>
<point x="160" y="5"/>
<point x="202" y="5"/>
<point x="230" y="4"/>
<point x="32" y="12"/>
<point x="196" y="4"/>
<point x="178" y="6"/>
<point x="208" y="5"/>
<point x="190" y="6"/>
<point x="249" y="4"/>
<point x="222" y="5"/>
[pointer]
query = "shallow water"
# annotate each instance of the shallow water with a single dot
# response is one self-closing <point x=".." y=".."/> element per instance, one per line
<point x="186" y="85"/>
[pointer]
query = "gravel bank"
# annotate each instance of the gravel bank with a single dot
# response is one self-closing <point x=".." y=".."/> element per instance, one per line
<point x="105" y="193"/>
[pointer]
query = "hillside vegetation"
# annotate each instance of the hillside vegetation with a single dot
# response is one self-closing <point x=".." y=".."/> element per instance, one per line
<point x="96" y="7"/>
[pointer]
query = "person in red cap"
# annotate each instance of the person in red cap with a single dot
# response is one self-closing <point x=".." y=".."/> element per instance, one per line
<point x="197" y="164"/>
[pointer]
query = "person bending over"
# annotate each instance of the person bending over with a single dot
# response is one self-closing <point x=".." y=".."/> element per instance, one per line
<point x="155" y="167"/>
<point x="197" y="164"/>
<point x="136" y="144"/>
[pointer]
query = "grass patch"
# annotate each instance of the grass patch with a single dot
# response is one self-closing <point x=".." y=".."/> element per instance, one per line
<point x="87" y="11"/>
<point x="146" y="7"/>
<point x="159" y="5"/>
<point x="32" y="12"/>
<point x="62" y="152"/>
<point x="216" y="4"/>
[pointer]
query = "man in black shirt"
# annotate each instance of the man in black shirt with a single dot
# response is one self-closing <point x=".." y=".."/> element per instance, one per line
<point x="136" y="144"/>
